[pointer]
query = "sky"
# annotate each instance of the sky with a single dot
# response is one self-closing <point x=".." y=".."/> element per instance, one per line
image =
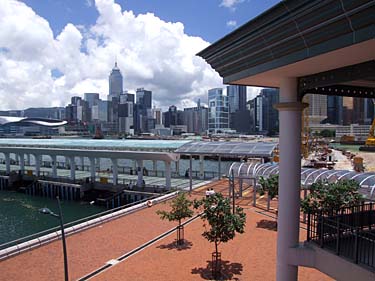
<point x="51" y="50"/>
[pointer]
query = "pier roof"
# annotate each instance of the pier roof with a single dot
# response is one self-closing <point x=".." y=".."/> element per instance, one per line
<point x="105" y="144"/>
<point x="97" y="153"/>
<point x="217" y="148"/>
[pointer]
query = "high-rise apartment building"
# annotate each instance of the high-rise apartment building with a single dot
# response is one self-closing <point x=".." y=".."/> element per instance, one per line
<point x="218" y="111"/>
<point x="196" y="119"/>
<point x="157" y="114"/>
<point x="236" y="98"/>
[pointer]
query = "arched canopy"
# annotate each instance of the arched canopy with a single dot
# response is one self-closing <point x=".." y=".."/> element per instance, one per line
<point x="308" y="175"/>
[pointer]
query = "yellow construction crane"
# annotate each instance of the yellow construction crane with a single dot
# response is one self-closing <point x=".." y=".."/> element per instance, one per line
<point x="370" y="141"/>
<point x="305" y="133"/>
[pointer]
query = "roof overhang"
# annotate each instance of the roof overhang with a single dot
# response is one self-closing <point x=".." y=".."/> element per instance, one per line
<point x="112" y="154"/>
<point x="295" y="39"/>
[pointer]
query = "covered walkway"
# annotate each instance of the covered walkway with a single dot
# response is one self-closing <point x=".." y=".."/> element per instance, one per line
<point x="250" y="171"/>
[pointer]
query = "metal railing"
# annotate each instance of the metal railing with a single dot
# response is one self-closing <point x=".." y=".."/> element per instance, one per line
<point x="349" y="232"/>
<point x="69" y="224"/>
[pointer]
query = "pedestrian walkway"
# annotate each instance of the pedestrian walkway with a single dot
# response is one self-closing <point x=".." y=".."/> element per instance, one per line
<point x="250" y="256"/>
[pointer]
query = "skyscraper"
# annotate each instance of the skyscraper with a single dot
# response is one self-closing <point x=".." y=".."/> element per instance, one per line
<point x="317" y="109"/>
<point x="91" y="98"/>
<point x="334" y="110"/>
<point x="143" y="119"/>
<point x="115" y="83"/>
<point x="218" y="111"/>
<point x="270" y="115"/>
<point x="144" y="98"/>
<point x="236" y="98"/>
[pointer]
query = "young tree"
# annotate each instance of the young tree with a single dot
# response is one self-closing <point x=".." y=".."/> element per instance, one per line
<point x="328" y="197"/>
<point x="224" y="224"/>
<point x="271" y="186"/>
<point x="180" y="210"/>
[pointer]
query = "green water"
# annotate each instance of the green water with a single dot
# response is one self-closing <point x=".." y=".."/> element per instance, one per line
<point x="19" y="214"/>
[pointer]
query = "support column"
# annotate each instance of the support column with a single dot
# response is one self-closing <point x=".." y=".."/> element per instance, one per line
<point x="201" y="166"/>
<point x="67" y="160"/>
<point x="154" y="166"/>
<point x="167" y="175"/>
<point x="22" y="162"/>
<point x="28" y="162"/>
<point x="97" y="165"/>
<point x="177" y="166"/>
<point x="82" y="163"/>
<point x="7" y="162"/>
<point x="140" y="173"/>
<point x="290" y="111"/>
<point x="114" y="171"/>
<point x="54" y="166"/>
<point x="191" y="172"/>
<point x="72" y="168"/>
<point x="92" y="169"/>
<point x="219" y="168"/>
<point x="37" y="164"/>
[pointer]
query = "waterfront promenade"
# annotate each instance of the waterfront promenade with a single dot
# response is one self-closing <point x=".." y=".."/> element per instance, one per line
<point x="250" y="256"/>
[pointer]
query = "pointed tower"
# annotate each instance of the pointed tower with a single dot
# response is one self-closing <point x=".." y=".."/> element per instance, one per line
<point x="115" y="83"/>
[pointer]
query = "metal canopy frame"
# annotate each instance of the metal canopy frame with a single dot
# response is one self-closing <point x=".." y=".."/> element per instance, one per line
<point x="308" y="176"/>
<point x="350" y="81"/>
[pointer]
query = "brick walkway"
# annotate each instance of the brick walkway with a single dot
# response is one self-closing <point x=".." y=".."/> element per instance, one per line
<point x="250" y="256"/>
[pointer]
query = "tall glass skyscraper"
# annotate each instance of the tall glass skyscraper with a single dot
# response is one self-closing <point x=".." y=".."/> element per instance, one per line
<point x="115" y="83"/>
<point x="218" y="111"/>
<point x="236" y="98"/>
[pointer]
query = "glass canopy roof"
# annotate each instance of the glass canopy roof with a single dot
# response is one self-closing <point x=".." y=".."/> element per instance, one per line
<point x="247" y="149"/>
<point x="308" y="175"/>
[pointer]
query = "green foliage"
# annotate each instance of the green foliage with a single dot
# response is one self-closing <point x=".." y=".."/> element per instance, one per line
<point x="224" y="224"/>
<point x="326" y="196"/>
<point x="269" y="185"/>
<point x="327" y="133"/>
<point x="180" y="209"/>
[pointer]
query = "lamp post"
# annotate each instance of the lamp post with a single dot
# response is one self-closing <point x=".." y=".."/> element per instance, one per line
<point x="47" y="211"/>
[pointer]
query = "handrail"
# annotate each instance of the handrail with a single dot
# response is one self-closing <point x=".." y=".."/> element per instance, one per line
<point x="69" y="224"/>
<point x="137" y="249"/>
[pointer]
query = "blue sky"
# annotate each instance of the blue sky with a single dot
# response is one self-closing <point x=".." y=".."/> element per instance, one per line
<point x="51" y="50"/>
<point x="204" y="18"/>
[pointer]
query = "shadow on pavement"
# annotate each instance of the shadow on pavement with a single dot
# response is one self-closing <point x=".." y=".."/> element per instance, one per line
<point x="228" y="271"/>
<point x="173" y="246"/>
<point x="267" y="224"/>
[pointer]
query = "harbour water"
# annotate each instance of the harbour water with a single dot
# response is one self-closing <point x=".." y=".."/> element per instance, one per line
<point x="19" y="214"/>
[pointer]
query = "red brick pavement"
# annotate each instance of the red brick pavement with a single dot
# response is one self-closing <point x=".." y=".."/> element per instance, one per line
<point x="250" y="256"/>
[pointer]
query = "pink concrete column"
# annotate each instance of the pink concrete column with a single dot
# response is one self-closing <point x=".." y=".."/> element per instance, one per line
<point x="290" y="111"/>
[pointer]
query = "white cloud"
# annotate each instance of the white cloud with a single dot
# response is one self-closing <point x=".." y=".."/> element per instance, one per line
<point x="231" y="23"/>
<point x="88" y="3"/>
<point x="151" y="53"/>
<point x="231" y="4"/>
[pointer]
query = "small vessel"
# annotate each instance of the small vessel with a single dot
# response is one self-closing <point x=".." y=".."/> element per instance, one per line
<point x="98" y="133"/>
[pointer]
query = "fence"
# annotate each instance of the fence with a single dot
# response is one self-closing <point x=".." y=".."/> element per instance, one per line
<point x="349" y="232"/>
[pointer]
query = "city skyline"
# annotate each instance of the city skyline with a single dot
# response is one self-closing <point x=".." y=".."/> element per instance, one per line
<point x="49" y="53"/>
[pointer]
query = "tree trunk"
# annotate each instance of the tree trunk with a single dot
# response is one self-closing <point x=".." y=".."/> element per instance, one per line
<point x="217" y="270"/>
